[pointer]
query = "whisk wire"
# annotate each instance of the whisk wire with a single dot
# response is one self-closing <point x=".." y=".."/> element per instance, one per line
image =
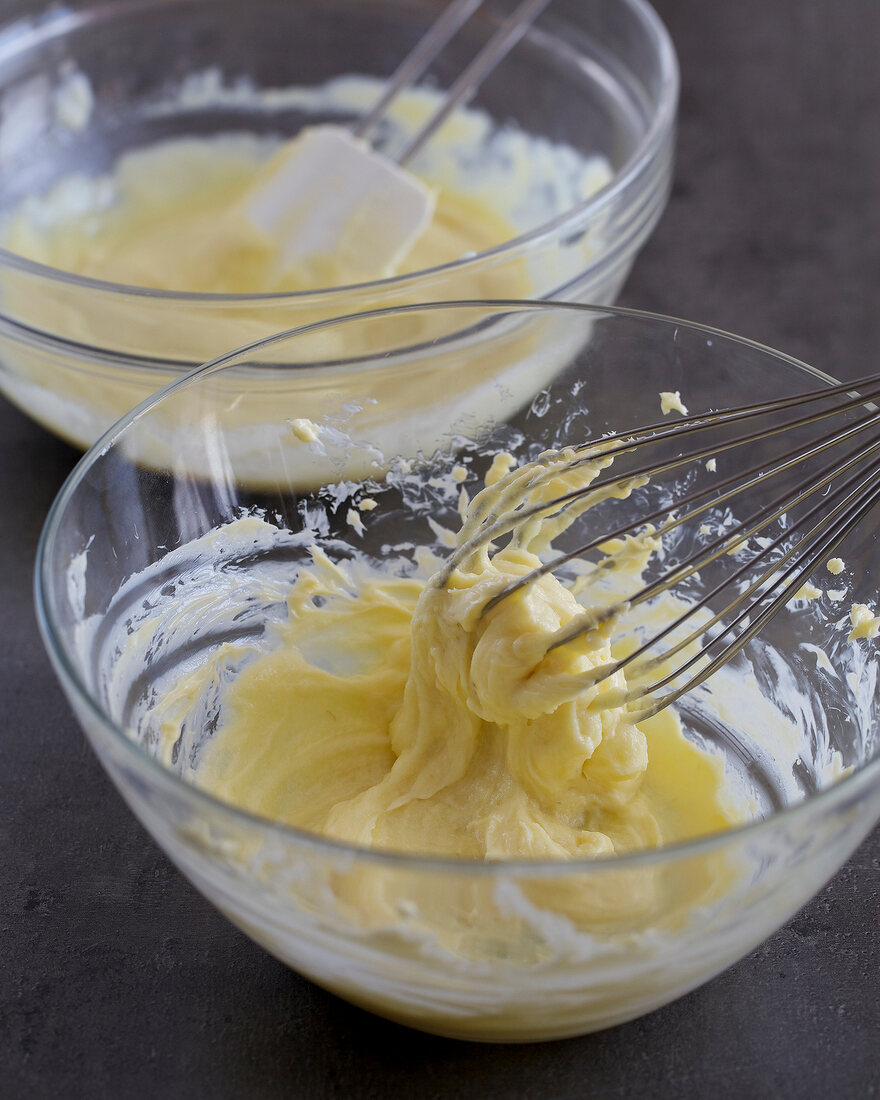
<point x="800" y="569"/>
<point x="418" y="60"/>
<point x="429" y="47"/>
<point x="719" y="492"/>
<point x="751" y="589"/>
<point x="782" y="564"/>
<point x="499" y="526"/>
<point x="699" y="421"/>
<point x="728" y="540"/>
<point x="495" y="50"/>
<point x="773" y="574"/>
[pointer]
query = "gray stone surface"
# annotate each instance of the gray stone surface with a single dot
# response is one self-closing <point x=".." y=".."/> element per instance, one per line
<point x="117" y="979"/>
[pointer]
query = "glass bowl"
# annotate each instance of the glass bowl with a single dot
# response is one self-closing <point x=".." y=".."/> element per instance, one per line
<point x="77" y="353"/>
<point x="129" y="599"/>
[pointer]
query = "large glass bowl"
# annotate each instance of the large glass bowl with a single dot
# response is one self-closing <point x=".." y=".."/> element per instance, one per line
<point x="76" y="353"/>
<point x="491" y="951"/>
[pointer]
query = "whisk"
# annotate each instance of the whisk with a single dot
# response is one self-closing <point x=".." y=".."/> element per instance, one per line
<point x="696" y="640"/>
<point x="327" y="193"/>
<point x="428" y="48"/>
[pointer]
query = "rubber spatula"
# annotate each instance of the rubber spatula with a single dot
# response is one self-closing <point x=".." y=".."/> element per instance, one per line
<point x="328" y="194"/>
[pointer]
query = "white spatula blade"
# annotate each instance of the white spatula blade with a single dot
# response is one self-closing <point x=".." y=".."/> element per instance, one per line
<point x="327" y="194"/>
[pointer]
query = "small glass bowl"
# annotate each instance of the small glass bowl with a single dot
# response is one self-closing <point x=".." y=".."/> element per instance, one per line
<point x="77" y="353"/>
<point x="504" y="951"/>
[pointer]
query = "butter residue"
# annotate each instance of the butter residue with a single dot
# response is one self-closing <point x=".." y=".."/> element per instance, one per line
<point x="835" y="566"/>
<point x="305" y="430"/>
<point x="807" y="591"/>
<point x="670" y="401"/>
<point x="353" y="519"/>
<point x="74" y="101"/>
<point x="865" y="624"/>
<point x="502" y="464"/>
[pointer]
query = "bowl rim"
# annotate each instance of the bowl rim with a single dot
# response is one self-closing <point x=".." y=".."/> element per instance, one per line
<point x="853" y="783"/>
<point x="56" y="22"/>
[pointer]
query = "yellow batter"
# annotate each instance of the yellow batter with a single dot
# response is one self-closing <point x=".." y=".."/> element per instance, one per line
<point x="169" y="217"/>
<point x="177" y="222"/>
<point x="400" y="714"/>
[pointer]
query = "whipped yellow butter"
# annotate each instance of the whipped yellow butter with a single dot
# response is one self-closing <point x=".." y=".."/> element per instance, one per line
<point x="399" y="713"/>
<point x="419" y="737"/>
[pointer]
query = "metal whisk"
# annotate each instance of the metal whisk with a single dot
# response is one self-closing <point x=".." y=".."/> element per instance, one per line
<point x="417" y="62"/>
<point x="697" y="640"/>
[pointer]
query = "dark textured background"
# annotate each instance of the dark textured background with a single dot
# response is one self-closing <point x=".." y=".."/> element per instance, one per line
<point x="117" y="979"/>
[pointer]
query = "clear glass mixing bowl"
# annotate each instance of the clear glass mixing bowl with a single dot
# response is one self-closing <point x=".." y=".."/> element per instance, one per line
<point x="77" y="353"/>
<point x="127" y="601"/>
